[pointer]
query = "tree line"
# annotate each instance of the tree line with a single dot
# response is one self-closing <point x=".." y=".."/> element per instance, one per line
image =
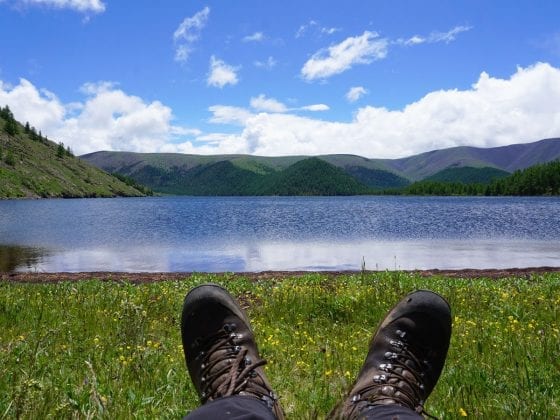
<point x="13" y="128"/>
<point x="132" y="183"/>
<point x="541" y="179"/>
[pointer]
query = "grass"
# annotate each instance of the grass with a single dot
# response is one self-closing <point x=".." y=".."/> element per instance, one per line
<point x="38" y="171"/>
<point x="98" y="349"/>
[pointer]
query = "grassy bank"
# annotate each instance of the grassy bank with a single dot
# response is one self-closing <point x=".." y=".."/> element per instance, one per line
<point x="107" y="349"/>
<point x="31" y="166"/>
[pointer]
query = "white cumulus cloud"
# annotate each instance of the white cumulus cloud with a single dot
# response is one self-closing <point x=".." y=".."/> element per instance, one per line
<point x="41" y="108"/>
<point x="363" y="49"/>
<point x="107" y="118"/>
<point x="221" y="74"/>
<point x="262" y="103"/>
<point x="223" y="114"/>
<point x="93" y="88"/>
<point x="494" y="111"/>
<point x="355" y="93"/>
<point x="314" y="108"/>
<point x="83" y="6"/>
<point x="188" y="32"/>
<point x="340" y="57"/>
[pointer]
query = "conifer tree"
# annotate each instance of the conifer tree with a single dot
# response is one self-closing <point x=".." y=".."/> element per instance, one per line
<point x="60" y="150"/>
<point x="6" y="113"/>
<point x="11" y="127"/>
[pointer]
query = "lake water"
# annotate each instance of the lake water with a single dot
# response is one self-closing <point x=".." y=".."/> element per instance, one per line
<point x="215" y="234"/>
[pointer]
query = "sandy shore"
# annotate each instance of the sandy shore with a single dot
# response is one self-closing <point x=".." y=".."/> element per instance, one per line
<point x="153" y="277"/>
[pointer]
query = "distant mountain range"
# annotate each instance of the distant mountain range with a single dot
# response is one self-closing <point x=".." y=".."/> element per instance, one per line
<point x="172" y="173"/>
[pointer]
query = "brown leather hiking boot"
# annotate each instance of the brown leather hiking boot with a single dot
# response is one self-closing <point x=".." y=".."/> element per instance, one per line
<point x="220" y="350"/>
<point x="405" y="358"/>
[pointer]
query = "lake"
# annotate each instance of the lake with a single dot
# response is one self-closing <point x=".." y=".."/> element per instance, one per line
<point x="215" y="234"/>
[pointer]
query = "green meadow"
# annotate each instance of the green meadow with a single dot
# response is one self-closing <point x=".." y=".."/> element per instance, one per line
<point x="103" y="349"/>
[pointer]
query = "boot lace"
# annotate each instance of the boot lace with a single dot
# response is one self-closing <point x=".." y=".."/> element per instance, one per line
<point x="227" y="369"/>
<point x="401" y="377"/>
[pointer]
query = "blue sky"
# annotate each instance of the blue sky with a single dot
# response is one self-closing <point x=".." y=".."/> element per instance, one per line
<point x="378" y="79"/>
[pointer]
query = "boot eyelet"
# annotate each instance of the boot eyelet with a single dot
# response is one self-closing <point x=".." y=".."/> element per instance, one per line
<point x="379" y="378"/>
<point x="387" y="367"/>
<point x="229" y="327"/>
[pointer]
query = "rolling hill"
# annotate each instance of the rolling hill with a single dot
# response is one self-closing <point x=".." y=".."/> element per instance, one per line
<point x="173" y="173"/>
<point x="542" y="179"/>
<point x="507" y="158"/>
<point x="468" y="175"/>
<point x="32" y="166"/>
<point x="310" y="176"/>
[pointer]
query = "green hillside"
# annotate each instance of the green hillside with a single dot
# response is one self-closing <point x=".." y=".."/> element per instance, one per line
<point x="376" y="178"/>
<point x="217" y="178"/>
<point x="468" y="175"/>
<point x="170" y="173"/>
<point x="130" y="162"/>
<point x="507" y="158"/>
<point x="306" y="177"/>
<point x="175" y="173"/>
<point x="541" y="179"/>
<point x="421" y="166"/>
<point x="311" y="176"/>
<point x="32" y="166"/>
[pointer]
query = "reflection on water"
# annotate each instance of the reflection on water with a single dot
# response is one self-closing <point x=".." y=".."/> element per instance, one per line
<point x="262" y="256"/>
<point x="21" y="258"/>
<point x="216" y="234"/>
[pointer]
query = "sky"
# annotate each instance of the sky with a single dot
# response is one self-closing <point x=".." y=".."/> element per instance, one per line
<point x="380" y="79"/>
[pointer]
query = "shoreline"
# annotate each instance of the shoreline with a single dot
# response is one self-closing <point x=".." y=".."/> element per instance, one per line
<point x="149" y="277"/>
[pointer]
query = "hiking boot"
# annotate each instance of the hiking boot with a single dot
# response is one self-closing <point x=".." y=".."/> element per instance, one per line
<point x="220" y="350"/>
<point x="405" y="359"/>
